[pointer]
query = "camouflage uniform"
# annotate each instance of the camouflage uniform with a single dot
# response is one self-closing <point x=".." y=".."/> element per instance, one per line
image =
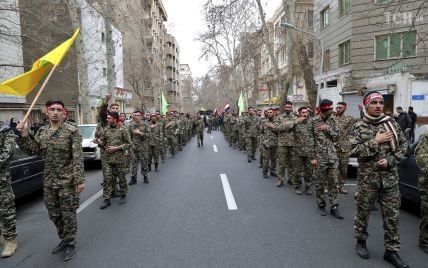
<point x="62" y="152"/>
<point x="326" y="171"/>
<point x="163" y="146"/>
<point x="270" y="148"/>
<point x="284" y="126"/>
<point x="210" y="124"/>
<point x="422" y="161"/>
<point x="241" y="132"/>
<point x="154" y="140"/>
<point x="373" y="182"/>
<point x="200" y="130"/>
<point x="171" y="129"/>
<point x="140" y="148"/>
<point x="251" y="133"/>
<point x="7" y="198"/>
<point x="344" y="123"/>
<point x="302" y="150"/>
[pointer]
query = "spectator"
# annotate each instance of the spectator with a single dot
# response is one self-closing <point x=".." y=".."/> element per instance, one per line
<point x="404" y="121"/>
<point x="13" y="125"/>
<point x="35" y="127"/>
<point x="414" y="118"/>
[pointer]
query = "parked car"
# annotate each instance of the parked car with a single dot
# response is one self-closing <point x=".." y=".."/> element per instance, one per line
<point x="408" y="171"/>
<point x="27" y="173"/>
<point x="91" y="151"/>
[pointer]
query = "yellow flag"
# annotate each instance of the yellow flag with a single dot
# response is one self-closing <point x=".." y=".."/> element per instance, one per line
<point x="26" y="82"/>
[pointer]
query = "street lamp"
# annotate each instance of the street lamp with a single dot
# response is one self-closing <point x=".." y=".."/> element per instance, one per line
<point x="291" y="26"/>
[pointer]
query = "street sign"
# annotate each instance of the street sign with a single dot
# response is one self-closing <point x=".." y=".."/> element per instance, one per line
<point x="418" y="97"/>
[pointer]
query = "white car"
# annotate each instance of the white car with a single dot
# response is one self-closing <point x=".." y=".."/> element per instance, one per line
<point x="91" y="151"/>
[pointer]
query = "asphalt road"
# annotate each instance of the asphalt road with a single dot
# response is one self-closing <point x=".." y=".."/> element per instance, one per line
<point x="183" y="219"/>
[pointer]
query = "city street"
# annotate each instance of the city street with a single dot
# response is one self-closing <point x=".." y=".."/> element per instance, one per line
<point x="187" y="217"/>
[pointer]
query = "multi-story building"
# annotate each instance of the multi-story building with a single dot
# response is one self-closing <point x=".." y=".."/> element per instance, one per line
<point x="186" y="88"/>
<point x="172" y="72"/>
<point x="11" y="58"/>
<point x="374" y="45"/>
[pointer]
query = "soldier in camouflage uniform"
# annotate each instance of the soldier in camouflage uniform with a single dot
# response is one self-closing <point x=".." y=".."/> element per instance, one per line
<point x="421" y="154"/>
<point x="380" y="145"/>
<point x="241" y="131"/>
<point x="324" y="158"/>
<point x="171" y="130"/>
<point x="60" y="144"/>
<point x="154" y="140"/>
<point x="7" y="198"/>
<point x="162" y="143"/>
<point x="233" y="129"/>
<point x="200" y="130"/>
<point x="251" y="132"/>
<point x="284" y="125"/>
<point x="344" y="123"/>
<point x="302" y="149"/>
<point x="140" y="134"/>
<point x="270" y="144"/>
<point x="209" y="123"/>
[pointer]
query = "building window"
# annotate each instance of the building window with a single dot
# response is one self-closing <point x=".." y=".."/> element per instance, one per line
<point x="310" y="50"/>
<point x="325" y="17"/>
<point x="344" y="7"/>
<point x="103" y="37"/>
<point x="395" y="45"/>
<point x="326" y="61"/>
<point x="310" y="14"/>
<point x="345" y="53"/>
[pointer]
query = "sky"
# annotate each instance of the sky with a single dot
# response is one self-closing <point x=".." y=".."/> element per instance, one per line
<point x="185" y="21"/>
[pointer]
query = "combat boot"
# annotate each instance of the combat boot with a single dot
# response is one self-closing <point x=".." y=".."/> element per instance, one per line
<point x="150" y="167"/>
<point x="273" y="173"/>
<point x="280" y="183"/>
<point x="146" y="180"/>
<point x="156" y="167"/>
<point x="10" y="246"/>
<point x="122" y="200"/>
<point x="132" y="181"/>
<point x="70" y="252"/>
<point x="265" y="175"/>
<point x="298" y="191"/>
<point x="61" y="246"/>
<point x="361" y="249"/>
<point x="343" y="190"/>
<point x="393" y="258"/>
<point x="249" y="160"/>
<point x="105" y="204"/>
<point x="335" y="213"/>
<point x="322" y="211"/>
<point x="308" y="190"/>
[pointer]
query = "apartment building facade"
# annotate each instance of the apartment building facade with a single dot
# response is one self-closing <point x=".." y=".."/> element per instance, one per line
<point x="172" y="72"/>
<point x="186" y="88"/>
<point x="374" y="45"/>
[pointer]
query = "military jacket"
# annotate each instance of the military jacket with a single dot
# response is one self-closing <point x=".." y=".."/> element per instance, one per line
<point x="116" y="136"/>
<point x="199" y="124"/>
<point x="139" y="140"/>
<point x="7" y="146"/>
<point x="364" y="146"/>
<point x="324" y="150"/>
<point x="62" y="151"/>
<point x="284" y="125"/>
<point x="269" y="136"/>
<point x="155" y="132"/>
<point x="170" y="128"/>
<point x="303" y="139"/>
<point x="251" y="126"/>
<point x="344" y="123"/>
<point x="421" y="154"/>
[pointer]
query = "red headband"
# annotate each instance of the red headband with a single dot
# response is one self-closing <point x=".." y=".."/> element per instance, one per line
<point x="325" y="107"/>
<point x="371" y="97"/>
<point x="55" y="105"/>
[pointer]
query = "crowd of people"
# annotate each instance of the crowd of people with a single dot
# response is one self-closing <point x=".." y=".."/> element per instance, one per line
<point x="313" y="147"/>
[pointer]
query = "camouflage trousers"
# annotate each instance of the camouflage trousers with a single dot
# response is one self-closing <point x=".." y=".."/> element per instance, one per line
<point x="179" y="142"/>
<point x="140" y="156"/>
<point x="285" y="159"/>
<point x="113" y="173"/>
<point x="200" y="137"/>
<point x="251" y="146"/>
<point x="326" y="174"/>
<point x="269" y="159"/>
<point x="62" y="203"/>
<point x="7" y="207"/>
<point x="390" y="202"/>
<point x="302" y="164"/>
<point x="423" y="225"/>
<point x="242" y="141"/>
<point x="162" y="149"/>
<point x="233" y="138"/>
<point x="153" y="154"/>
<point x="343" y="167"/>
<point x="171" y="143"/>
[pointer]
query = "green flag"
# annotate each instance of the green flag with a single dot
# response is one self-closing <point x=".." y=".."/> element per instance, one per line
<point x="164" y="105"/>
<point x="241" y="103"/>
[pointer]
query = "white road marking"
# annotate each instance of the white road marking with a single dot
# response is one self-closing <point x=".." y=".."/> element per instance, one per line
<point x="215" y="148"/>
<point x="89" y="201"/>
<point x="212" y="137"/>
<point x="350" y="184"/>
<point x="231" y="204"/>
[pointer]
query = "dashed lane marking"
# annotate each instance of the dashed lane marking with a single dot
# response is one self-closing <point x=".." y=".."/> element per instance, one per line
<point x="215" y="148"/>
<point x="212" y="137"/>
<point x="89" y="201"/>
<point x="230" y="200"/>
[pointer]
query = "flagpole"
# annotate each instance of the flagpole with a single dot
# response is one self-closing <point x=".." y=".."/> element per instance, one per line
<point x="38" y="95"/>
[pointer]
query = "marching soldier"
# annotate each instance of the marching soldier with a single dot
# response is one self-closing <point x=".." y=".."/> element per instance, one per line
<point x="7" y="198"/>
<point x="270" y="144"/>
<point x="60" y="144"/>
<point x="171" y="129"/>
<point x="380" y="145"/>
<point x="154" y="141"/>
<point x="344" y="123"/>
<point x="422" y="161"/>
<point x="250" y="126"/>
<point x="324" y="158"/>
<point x="139" y="131"/>
<point x="200" y="130"/>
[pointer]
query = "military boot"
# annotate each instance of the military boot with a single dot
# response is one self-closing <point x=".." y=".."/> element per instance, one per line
<point x="61" y="246"/>
<point x="298" y="191"/>
<point x="280" y="182"/>
<point x="132" y="181"/>
<point x="105" y="204"/>
<point x="265" y="175"/>
<point x="146" y="180"/>
<point x="156" y="167"/>
<point x="10" y="247"/>
<point x="70" y="252"/>
<point x="308" y="190"/>
<point x="335" y="213"/>
<point x="122" y="200"/>
<point x="393" y="258"/>
<point x="361" y="249"/>
<point x="322" y="211"/>
<point x="249" y="160"/>
<point x="150" y="167"/>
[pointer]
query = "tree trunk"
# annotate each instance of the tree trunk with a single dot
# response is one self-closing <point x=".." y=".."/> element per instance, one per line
<point x="111" y="72"/>
<point x="308" y="75"/>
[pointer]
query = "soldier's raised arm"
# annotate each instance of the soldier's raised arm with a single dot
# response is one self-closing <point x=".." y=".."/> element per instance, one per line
<point x="8" y="144"/>
<point x="26" y="143"/>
